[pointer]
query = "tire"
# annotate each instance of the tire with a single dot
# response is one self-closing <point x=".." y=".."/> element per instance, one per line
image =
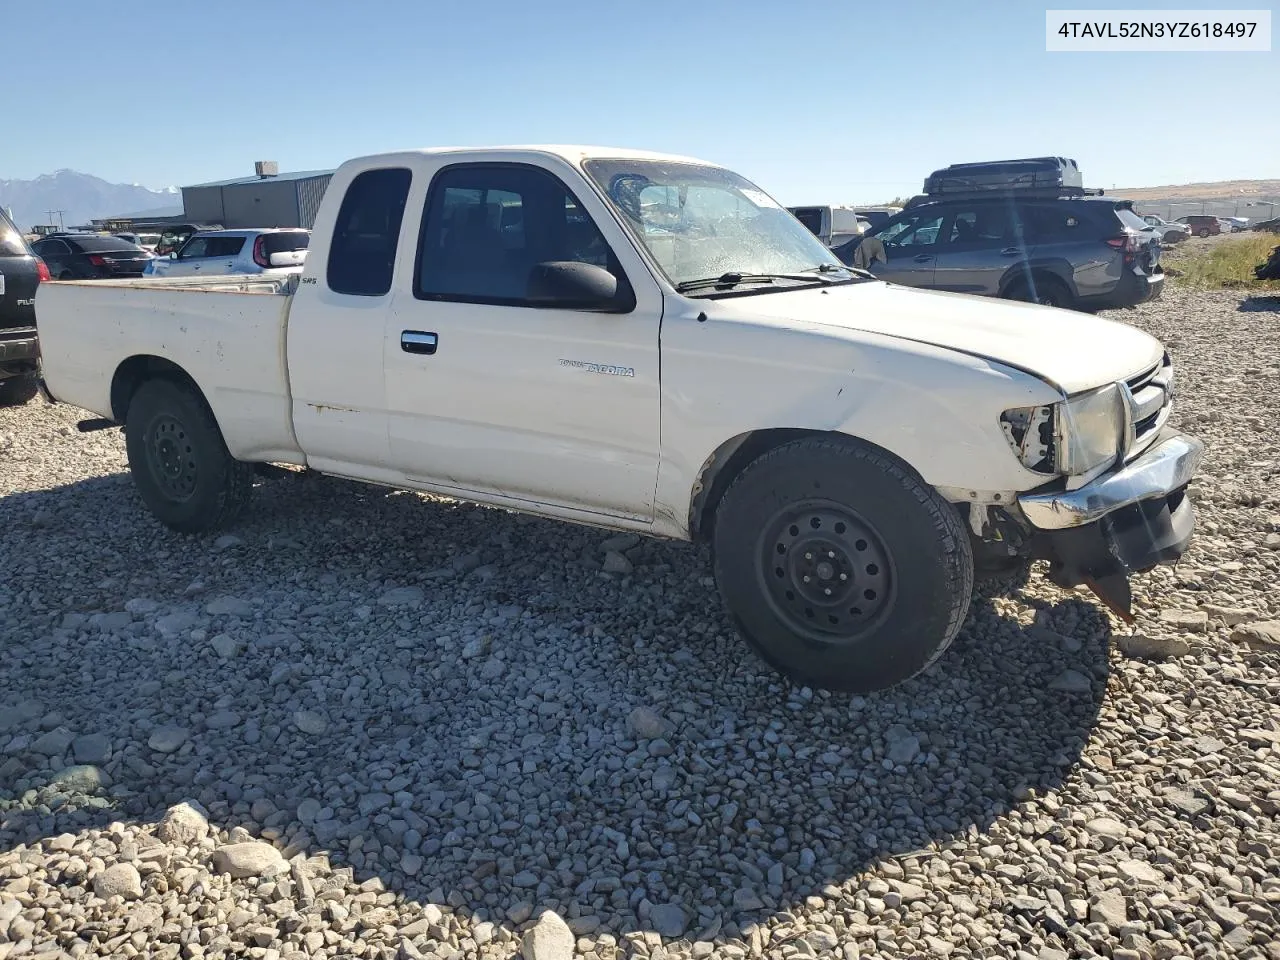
<point x="899" y="564"/>
<point x="1202" y="232"/>
<point x="179" y="461"/>
<point x="1045" y="290"/>
<point x="65" y="275"/>
<point x="16" y="391"/>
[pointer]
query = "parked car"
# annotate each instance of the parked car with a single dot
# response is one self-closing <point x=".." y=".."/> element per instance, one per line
<point x="1234" y="224"/>
<point x="832" y="225"/>
<point x="424" y="346"/>
<point x="1169" y="232"/>
<point x="147" y="241"/>
<point x="235" y="251"/>
<point x="1078" y="252"/>
<point x="1267" y="226"/>
<point x="1202" y="225"/>
<point x="173" y="237"/>
<point x="877" y="215"/>
<point x="20" y="273"/>
<point x="91" y="256"/>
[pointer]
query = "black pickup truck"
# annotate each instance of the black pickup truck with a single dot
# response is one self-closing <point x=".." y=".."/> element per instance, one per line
<point x="20" y="273"/>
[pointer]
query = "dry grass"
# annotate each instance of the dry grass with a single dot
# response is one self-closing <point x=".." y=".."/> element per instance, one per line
<point x="1228" y="262"/>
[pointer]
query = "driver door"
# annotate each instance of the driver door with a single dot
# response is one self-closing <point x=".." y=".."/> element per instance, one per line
<point x="489" y="394"/>
<point x="911" y="246"/>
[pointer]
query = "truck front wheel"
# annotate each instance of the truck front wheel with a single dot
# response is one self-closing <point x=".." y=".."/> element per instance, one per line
<point x="840" y="565"/>
<point x="179" y="461"/>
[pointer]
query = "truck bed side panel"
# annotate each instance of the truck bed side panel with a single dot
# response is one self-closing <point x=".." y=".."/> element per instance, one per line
<point x="228" y="339"/>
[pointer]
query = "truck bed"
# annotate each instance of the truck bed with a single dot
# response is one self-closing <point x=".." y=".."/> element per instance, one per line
<point x="226" y="332"/>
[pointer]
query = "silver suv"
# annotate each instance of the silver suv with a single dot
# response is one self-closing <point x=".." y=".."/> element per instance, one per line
<point x="1084" y="253"/>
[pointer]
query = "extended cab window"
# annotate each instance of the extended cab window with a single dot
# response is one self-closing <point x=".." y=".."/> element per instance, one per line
<point x="362" y="257"/>
<point x="486" y="227"/>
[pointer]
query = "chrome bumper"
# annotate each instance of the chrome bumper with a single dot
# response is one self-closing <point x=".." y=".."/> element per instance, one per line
<point x="1166" y="467"/>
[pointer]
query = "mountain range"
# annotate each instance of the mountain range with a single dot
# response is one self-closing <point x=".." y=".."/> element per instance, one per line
<point x="80" y="197"/>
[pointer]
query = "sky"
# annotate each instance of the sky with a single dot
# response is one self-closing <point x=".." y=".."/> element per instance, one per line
<point x="838" y="102"/>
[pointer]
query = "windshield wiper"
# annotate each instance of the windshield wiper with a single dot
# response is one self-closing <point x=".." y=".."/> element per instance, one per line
<point x="733" y="279"/>
<point x="833" y="267"/>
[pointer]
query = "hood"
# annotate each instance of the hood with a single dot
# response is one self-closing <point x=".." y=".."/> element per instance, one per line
<point x="1073" y="351"/>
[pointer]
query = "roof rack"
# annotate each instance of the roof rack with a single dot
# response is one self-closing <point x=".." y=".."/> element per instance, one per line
<point x="1035" y="193"/>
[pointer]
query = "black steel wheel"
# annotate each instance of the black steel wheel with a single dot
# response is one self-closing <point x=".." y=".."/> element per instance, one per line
<point x="171" y="458"/>
<point x="826" y="571"/>
<point x="839" y="565"/>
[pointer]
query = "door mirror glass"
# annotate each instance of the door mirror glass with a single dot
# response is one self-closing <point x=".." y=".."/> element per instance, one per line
<point x="572" y="285"/>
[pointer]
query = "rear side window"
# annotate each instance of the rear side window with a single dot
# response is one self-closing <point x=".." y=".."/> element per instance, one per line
<point x="198" y="247"/>
<point x="103" y="245"/>
<point x="11" y="242"/>
<point x="362" y="256"/>
<point x="811" y="217"/>
<point x="1051" y="222"/>
<point x="285" y="242"/>
<point x="1130" y="219"/>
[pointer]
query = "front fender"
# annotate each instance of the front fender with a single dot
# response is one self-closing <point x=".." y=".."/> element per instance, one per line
<point x="936" y="409"/>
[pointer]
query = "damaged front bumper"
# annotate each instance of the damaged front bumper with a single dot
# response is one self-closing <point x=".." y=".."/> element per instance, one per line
<point x="1123" y="522"/>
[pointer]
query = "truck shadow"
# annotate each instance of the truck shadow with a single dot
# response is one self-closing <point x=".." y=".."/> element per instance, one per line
<point x="508" y="788"/>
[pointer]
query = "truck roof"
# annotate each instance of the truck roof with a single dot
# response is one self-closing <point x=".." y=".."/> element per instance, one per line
<point x="574" y="154"/>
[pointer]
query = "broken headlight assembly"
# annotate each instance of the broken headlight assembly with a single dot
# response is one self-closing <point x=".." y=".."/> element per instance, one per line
<point x="1070" y="438"/>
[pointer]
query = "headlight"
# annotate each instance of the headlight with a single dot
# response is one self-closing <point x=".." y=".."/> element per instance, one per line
<point x="1090" y="429"/>
<point x="1072" y="437"/>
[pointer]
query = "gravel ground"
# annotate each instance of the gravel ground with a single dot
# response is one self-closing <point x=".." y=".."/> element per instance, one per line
<point x="368" y="725"/>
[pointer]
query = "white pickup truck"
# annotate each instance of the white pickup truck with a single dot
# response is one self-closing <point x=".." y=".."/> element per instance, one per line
<point x="651" y="343"/>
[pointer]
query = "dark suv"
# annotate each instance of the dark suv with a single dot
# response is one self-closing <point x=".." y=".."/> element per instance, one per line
<point x="20" y="274"/>
<point x="1080" y="252"/>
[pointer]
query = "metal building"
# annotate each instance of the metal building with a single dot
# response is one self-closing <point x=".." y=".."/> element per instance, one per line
<point x="269" y="199"/>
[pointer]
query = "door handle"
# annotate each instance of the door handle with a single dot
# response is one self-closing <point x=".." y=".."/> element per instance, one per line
<point x="418" y="341"/>
<point x="922" y="257"/>
<point x="1009" y="252"/>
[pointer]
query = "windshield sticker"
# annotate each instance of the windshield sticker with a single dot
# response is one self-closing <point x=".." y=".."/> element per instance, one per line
<point x="761" y="199"/>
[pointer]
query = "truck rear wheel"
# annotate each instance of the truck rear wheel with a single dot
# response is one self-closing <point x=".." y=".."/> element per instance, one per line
<point x="840" y="565"/>
<point x="16" y="391"/>
<point x="179" y="461"/>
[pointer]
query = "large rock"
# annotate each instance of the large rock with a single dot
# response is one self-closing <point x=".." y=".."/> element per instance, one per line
<point x="646" y="724"/>
<point x="1258" y="636"/>
<point x="548" y="939"/>
<point x="1109" y="908"/>
<point x="185" y="823"/>
<point x="80" y="778"/>
<point x="167" y="739"/>
<point x="118" y="880"/>
<point x="901" y="745"/>
<point x="253" y="858"/>
<point x="52" y="744"/>
<point x="93" y="748"/>
<point x="1194" y="621"/>
<point x="669" y="919"/>
<point x="1142" y="647"/>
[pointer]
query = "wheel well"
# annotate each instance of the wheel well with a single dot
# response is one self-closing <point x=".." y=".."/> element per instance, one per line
<point x="1025" y="273"/>
<point x="135" y="371"/>
<point x="729" y="460"/>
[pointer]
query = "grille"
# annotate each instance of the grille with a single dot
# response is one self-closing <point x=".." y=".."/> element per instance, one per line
<point x="1149" y="396"/>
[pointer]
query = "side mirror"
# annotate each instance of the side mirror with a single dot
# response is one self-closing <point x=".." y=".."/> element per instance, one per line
<point x="569" y="285"/>
<point x="173" y="254"/>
